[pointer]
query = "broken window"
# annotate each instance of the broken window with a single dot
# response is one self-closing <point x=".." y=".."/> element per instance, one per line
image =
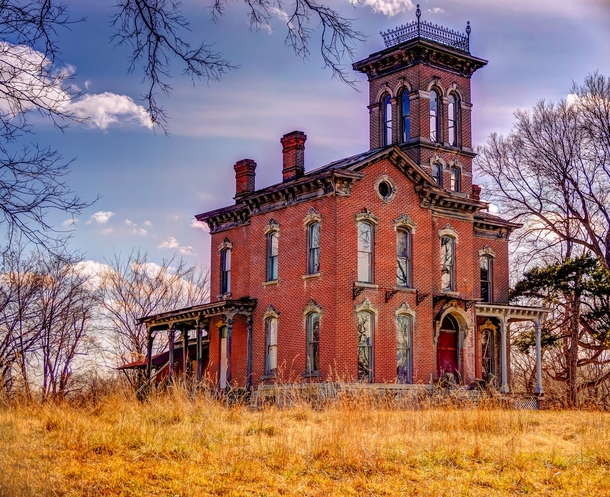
<point x="225" y="271"/>
<point x="313" y="242"/>
<point x="272" y="255"/>
<point x="313" y="342"/>
<point x="403" y="349"/>
<point x="487" y="354"/>
<point x="271" y="349"/>
<point x="365" y="252"/>
<point x="403" y="257"/>
<point x="365" y="346"/>
<point x="447" y="263"/>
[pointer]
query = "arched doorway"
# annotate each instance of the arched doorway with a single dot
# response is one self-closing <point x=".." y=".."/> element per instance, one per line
<point x="447" y="347"/>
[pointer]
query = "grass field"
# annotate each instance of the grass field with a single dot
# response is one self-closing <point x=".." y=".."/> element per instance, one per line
<point x="177" y="446"/>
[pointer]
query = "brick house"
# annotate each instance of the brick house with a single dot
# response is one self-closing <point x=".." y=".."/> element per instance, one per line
<point x="384" y="267"/>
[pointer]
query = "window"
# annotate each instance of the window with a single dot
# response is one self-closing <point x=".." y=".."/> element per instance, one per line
<point x="403" y="257"/>
<point x="405" y="114"/>
<point x="487" y="354"/>
<point x="455" y="179"/>
<point x="313" y="342"/>
<point x="387" y="120"/>
<point x="272" y="255"/>
<point x="365" y="346"/>
<point x="404" y="325"/>
<point x="452" y="113"/>
<point x="486" y="278"/>
<point x="365" y="252"/>
<point x="434" y="117"/>
<point x="225" y="271"/>
<point x="437" y="174"/>
<point x="271" y="348"/>
<point x="313" y="248"/>
<point x="447" y="263"/>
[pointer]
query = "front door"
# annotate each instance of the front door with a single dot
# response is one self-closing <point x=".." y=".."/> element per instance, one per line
<point x="447" y="347"/>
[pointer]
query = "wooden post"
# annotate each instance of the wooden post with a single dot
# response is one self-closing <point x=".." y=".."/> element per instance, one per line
<point x="149" y="350"/>
<point x="199" y="352"/>
<point x="503" y="348"/>
<point x="249" y="352"/>
<point x="170" y="370"/>
<point x="229" y="347"/>
<point x="185" y="352"/>
<point x="539" y="390"/>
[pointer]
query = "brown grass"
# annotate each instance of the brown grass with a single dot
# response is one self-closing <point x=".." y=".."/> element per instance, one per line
<point x="176" y="446"/>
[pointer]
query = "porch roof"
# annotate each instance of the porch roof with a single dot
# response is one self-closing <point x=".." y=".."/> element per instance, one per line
<point x="511" y="312"/>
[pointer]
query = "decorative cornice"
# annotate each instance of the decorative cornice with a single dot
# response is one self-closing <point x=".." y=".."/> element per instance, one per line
<point x="313" y="216"/>
<point x="366" y="305"/>
<point x="312" y="306"/>
<point x="271" y="312"/>
<point x="226" y="244"/>
<point x="404" y="309"/>
<point x="404" y="221"/>
<point x="448" y="230"/>
<point x="487" y="251"/>
<point x="273" y="225"/>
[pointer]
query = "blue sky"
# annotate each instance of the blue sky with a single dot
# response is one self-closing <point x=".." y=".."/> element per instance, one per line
<point x="151" y="185"/>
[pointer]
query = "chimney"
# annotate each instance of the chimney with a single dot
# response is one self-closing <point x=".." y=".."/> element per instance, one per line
<point x="293" y="148"/>
<point x="476" y="192"/>
<point x="244" y="177"/>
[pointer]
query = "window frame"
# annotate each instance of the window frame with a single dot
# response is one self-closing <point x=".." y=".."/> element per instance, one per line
<point x="313" y="344"/>
<point x="437" y="173"/>
<point x="404" y="374"/>
<point x="370" y="258"/>
<point x="448" y="268"/>
<point x="225" y="272"/>
<point x="366" y="347"/>
<point x="386" y="128"/>
<point x="272" y="266"/>
<point x="453" y="120"/>
<point x="455" y="184"/>
<point x="271" y="323"/>
<point x="489" y="281"/>
<point x="406" y="256"/>
<point x="434" y="113"/>
<point x="405" y="118"/>
<point x="313" y="252"/>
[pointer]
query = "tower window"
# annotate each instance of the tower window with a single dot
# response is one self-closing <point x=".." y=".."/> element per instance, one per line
<point x="403" y="257"/>
<point x="272" y="256"/>
<point x="434" y="117"/>
<point x="313" y="248"/>
<point x="455" y="179"/>
<point x="387" y="120"/>
<point x="405" y="110"/>
<point x="437" y="174"/>
<point x="447" y="263"/>
<point x="486" y="278"/>
<point x="452" y="114"/>
<point x="225" y="271"/>
<point x="365" y="252"/>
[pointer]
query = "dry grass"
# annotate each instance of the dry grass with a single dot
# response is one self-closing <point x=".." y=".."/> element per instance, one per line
<point x="173" y="445"/>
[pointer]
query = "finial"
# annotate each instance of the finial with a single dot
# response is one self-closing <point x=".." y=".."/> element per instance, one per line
<point x="417" y="12"/>
<point x="468" y="30"/>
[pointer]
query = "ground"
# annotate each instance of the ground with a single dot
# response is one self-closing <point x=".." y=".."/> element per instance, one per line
<point x="179" y="446"/>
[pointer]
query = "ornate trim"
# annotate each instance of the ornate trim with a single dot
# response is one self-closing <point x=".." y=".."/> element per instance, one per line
<point x="226" y="244"/>
<point x="313" y="216"/>
<point x="487" y="251"/>
<point x="367" y="216"/>
<point x="381" y="179"/>
<point x="488" y="325"/>
<point x="405" y="310"/>
<point x="366" y="305"/>
<point x="271" y="312"/>
<point x="312" y="306"/>
<point x="273" y="225"/>
<point x="404" y="221"/>
<point x="448" y="230"/>
<point x="435" y="159"/>
<point x="463" y="320"/>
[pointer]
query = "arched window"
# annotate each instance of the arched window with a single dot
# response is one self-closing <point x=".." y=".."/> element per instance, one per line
<point x="437" y="174"/>
<point x="271" y="345"/>
<point x="272" y="256"/>
<point x="434" y="117"/>
<point x="447" y="263"/>
<point x="486" y="278"/>
<point x="387" y="120"/>
<point x="313" y="248"/>
<point x="365" y="252"/>
<point x="404" y="339"/>
<point x="365" y="346"/>
<point x="313" y="342"/>
<point x="403" y="257"/>
<point x="405" y="116"/>
<point x="225" y="271"/>
<point x="455" y="179"/>
<point x="452" y="115"/>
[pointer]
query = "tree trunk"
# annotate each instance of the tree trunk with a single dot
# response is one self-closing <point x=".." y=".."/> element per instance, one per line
<point x="573" y="351"/>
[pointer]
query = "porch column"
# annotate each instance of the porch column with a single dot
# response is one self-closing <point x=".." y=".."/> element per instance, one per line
<point x="149" y="350"/>
<point x="171" y="337"/>
<point x="249" y="352"/>
<point x="199" y="351"/>
<point x="538" y="390"/>
<point x="185" y="352"/>
<point x="503" y="335"/>
<point x="229" y="347"/>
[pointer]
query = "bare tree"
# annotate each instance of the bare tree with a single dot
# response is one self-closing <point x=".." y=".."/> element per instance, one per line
<point x="132" y="287"/>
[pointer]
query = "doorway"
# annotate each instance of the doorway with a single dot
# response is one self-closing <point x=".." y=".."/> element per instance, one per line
<point x="447" y="347"/>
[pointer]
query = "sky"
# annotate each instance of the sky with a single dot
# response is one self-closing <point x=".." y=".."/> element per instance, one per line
<point x="151" y="185"/>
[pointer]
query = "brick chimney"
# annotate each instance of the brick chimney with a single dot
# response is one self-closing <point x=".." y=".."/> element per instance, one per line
<point x="476" y="192"/>
<point x="293" y="148"/>
<point x="244" y="177"/>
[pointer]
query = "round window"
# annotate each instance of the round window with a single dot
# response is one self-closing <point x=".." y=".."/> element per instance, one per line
<point x="384" y="189"/>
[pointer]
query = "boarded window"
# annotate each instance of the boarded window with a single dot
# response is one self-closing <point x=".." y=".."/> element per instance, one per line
<point x="447" y="263"/>
<point x="271" y="349"/>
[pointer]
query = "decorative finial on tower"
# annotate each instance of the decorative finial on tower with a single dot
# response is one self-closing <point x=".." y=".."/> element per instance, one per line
<point x="468" y="30"/>
<point x="418" y="12"/>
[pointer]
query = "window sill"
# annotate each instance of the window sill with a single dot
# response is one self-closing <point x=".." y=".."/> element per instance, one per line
<point x="451" y="292"/>
<point x="361" y="284"/>
<point x="272" y="282"/>
<point x="312" y="275"/>
<point x="224" y="296"/>
<point x="311" y="374"/>
<point x="406" y="289"/>
<point x="270" y="376"/>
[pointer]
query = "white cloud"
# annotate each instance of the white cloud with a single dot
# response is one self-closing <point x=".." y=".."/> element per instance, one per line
<point x="103" y="109"/>
<point x="107" y="231"/>
<point x="140" y="231"/>
<point x="148" y="223"/>
<point x="101" y="217"/>
<point x="435" y="10"/>
<point x="69" y="222"/>
<point x="171" y="242"/>
<point x="200" y="225"/>
<point x="130" y="223"/>
<point x="390" y="8"/>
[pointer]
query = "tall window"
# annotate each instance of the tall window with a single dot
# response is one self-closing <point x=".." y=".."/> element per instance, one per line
<point x="387" y="120"/>
<point x="365" y="252"/>
<point x="452" y="114"/>
<point x="437" y="174"/>
<point x="272" y="255"/>
<point x="447" y="263"/>
<point x="486" y="278"/>
<point x="225" y="271"/>
<point x="405" y="109"/>
<point x="403" y="348"/>
<point x="365" y="346"/>
<point x="403" y="257"/>
<point x="434" y="117"/>
<point x="455" y="179"/>
<point x="313" y="248"/>
<point x="271" y="345"/>
<point x="313" y="342"/>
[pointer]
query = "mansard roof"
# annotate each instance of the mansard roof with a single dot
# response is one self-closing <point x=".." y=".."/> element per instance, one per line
<point x="336" y="178"/>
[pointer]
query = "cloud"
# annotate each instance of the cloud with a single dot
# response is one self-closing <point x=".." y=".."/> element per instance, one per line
<point x="107" y="231"/>
<point x="435" y="10"/>
<point x="140" y="231"/>
<point x="130" y="223"/>
<point x="69" y="222"/>
<point x="172" y="243"/>
<point x="389" y="8"/>
<point x="200" y="225"/>
<point x="103" y="109"/>
<point x="101" y="217"/>
<point x="147" y="223"/>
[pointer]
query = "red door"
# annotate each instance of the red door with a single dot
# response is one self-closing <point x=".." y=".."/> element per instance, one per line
<point x="447" y="347"/>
